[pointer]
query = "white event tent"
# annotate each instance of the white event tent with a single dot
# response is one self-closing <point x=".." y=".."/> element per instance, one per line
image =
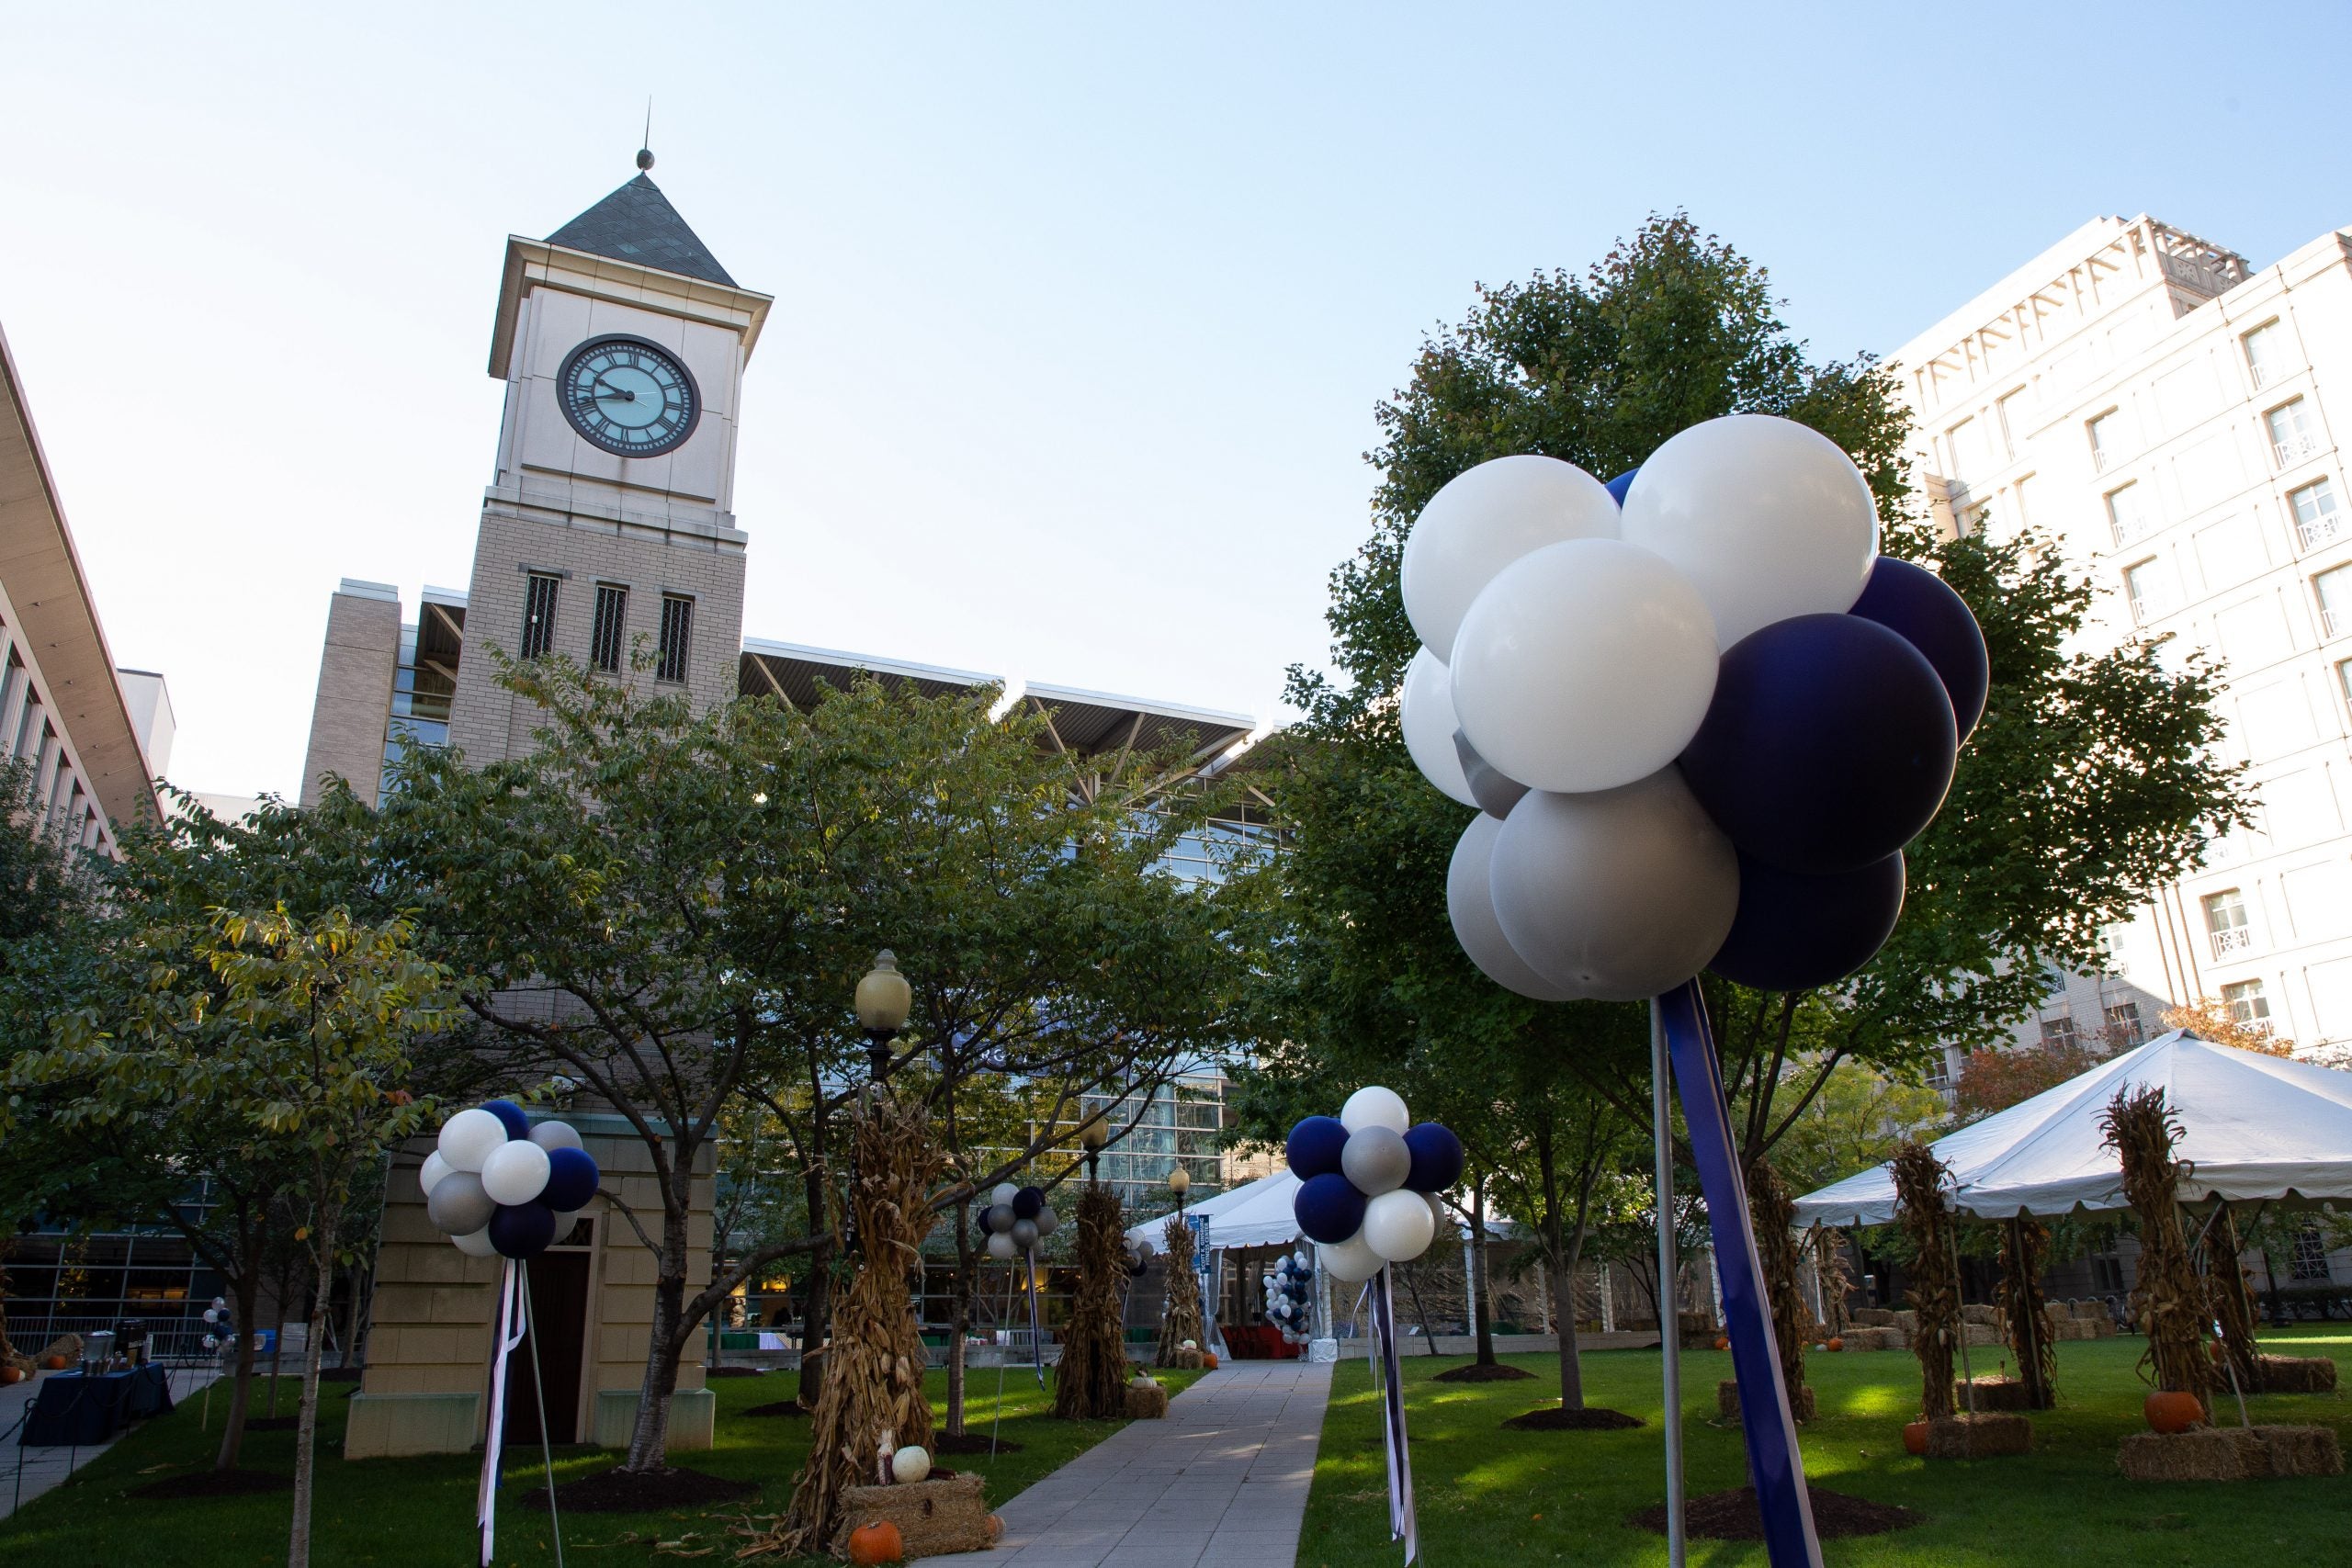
<point x="1256" y="1214"/>
<point x="2253" y="1128"/>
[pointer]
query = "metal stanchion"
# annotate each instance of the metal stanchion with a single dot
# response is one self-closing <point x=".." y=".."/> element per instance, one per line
<point x="1670" y="1310"/>
<point x="539" y="1392"/>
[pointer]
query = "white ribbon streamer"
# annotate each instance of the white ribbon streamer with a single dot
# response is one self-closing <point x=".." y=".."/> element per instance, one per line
<point x="1403" y="1524"/>
<point x="509" y="1334"/>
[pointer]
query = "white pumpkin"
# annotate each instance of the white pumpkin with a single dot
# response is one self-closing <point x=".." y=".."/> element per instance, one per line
<point x="910" y="1465"/>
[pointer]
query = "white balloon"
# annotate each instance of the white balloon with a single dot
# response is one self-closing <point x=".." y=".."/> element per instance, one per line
<point x="1584" y="666"/>
<point x="1425" y="712"/>
<point x="1483" y="519"/>
<point x="1622" y="894"/>
<point x="554" y="1135"/>
<point x="1350" y="1261"/>
<point x="1440" y="1222"/>
<point x="1000" y="1247"/>
<point x="910" y="1465"/>
<point x="1372" y="1106"/>
<point x="564" y="1220"/>
<point x="429" y="1174"/>
<point x="1470" y="901"/>
<point x="1398" y="1225"/>
<point x="515" y="1172"/>
<point x="468" y="1138"/>
<point x="1766" y="518"/>
<point x="475" y="1244"/>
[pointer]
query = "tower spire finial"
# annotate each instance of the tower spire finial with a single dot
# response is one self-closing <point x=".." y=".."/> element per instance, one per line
<point x="645" y="147"/>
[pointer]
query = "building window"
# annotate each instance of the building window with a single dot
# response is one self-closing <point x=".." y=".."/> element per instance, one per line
<point x="2225" y="923"/>
<point x="2139" y="587"/>
<point x="2128" y="517"/>
<point x="605" y="639"/>
<point x="2292" y="440"/>
<point x="677" y="631"/>
<point x="2316" y="518"/>
<point x="13" y="679"/>
<point x="2310" y="1262"/>
<point x="2059" y="1030"/>
<point x="538" y="614"/>
<point x="2123" y="1030"/>
<point x="2334" y="592"/>
<point x="2265" y="353"/>
<point x="2246" y="1003"/>
<point x="2106" y="433"/>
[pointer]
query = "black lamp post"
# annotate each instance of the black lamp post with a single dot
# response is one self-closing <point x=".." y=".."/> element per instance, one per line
<point x="884" y="999"/>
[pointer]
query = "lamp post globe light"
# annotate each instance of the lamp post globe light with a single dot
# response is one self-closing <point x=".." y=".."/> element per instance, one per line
<point x="1179" y="1183"/>
<point x="884" y="999"/>
<point x="1094" y="1140"/>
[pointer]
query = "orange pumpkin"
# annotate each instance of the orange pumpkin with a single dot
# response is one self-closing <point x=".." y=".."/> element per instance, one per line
<point x="55" y="1364"/>
<point x="11" y="1375"/>
<point x="1722" y="1343"/>
<point x="2170" y="1410"/>
<point x="1836" y="1342"/>
<point x="996" y="1528"/>
<point x="1914" y="1438"/>
<point x="1208" y="1360"/>
<point x="875" y="1543"/>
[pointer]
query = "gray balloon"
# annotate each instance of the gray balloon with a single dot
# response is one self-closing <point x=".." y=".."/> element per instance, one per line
<point x="1024" y="1234"/>
<point x="1495" y="793"/>
<point x="999" y="1218"/>
<point x="1046" y="1221"/>
<point x="458" y="1205"/>
<point x="1375" y="1160"/>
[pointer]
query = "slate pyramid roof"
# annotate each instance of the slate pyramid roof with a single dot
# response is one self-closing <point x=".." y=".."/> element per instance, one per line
<point x="637" y="224"/>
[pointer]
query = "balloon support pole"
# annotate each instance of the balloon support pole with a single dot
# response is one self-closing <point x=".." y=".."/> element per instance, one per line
<point x="1774" y="1464"/>
<point x="1669" y="1299"/>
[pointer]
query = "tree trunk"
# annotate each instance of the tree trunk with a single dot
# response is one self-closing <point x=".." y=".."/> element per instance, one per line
<point x="241" y="1391"/>
<point x="1413" y="1286"/>
<point x="815" y="1306"/>
<point x="649" y="1438"/>
<point x="1474" y="1277"/>
<point x="306" y="1426"/>
<point x="359" y="1277"/>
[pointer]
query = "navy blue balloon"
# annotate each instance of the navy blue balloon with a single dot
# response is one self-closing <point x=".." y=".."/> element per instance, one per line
<point x="1922" y="609"/>
<point x="1314" y="1147"/>
<point x="522" y="1230"/>
<point x="1028" y="1202"/>
<point x="1828" y="745"/>
<point x="511" y="1117"/>
<point x="572" y="1180"/>
<point x="1621" y="483"/>
<point x="1795" y="931"/>
<point x="1437" y="1158"/>
<point x="1327" y="1209"/>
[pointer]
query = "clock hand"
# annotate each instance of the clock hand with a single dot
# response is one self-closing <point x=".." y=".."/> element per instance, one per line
<point x="604" y="391"/>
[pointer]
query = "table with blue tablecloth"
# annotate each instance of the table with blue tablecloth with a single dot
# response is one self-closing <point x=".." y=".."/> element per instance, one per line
<point x="73" y="1408"/>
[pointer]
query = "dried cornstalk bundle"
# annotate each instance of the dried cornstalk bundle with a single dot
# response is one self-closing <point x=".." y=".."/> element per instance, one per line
<point x="2033" y="1340"/>
<point x="1091" y="1380"/>
<point x="872" y="1398"/>
<point x="1774" y="1215"/>
<point x="1837" y="1280"/>
<point x="2228" y="1298"/>
<point x="1181" y="1320"/>
<point x="2170" y="1299"/>
<point x="1935" y="1276"/>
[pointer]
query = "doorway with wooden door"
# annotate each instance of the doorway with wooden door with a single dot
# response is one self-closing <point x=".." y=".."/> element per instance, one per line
<point x="557" y="1339"/>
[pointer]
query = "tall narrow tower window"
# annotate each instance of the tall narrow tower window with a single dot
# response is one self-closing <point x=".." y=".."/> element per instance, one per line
<point x="605" y="641"/>
<point x="677" y="632"/>
<point x="538" y="614"/>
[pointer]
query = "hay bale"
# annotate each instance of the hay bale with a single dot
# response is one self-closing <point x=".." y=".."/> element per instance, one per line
<point x="1982" y="1336"/>
<point x="2201" y="1454"/>
<point x="1906" y="1319"/>
<point x="2296" y="1374"/>
<point x="934" y="1517"/>
<point x="2300" y="1451"/>
<point x="1183" y="1359"/>
<point x="1981" y="1436"/>
<point x="1147" y="1403"/>
<point x="1896" y="1338"/>
<point x="67" y="1345"/>
<point x="1977" y="1311"/>
<point x="1992" y="1394"/>
<point x="1874" y="1317"/>
<point x="1728" y="1400"/>
<point x="1865" y="1339"/>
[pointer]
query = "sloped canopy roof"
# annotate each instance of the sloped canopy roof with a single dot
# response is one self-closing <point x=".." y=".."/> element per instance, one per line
<point x="1255" y="1215"/>
<point x="637" y="224"/>
<point x="2254" y="1127"/>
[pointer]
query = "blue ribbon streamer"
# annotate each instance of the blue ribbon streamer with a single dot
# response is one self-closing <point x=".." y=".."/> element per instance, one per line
<point x="1403" y="1525"/>
<point x="1773" y="1461"/>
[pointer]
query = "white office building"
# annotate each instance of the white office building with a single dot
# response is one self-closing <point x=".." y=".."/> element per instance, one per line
<point x="2171" y="416"/>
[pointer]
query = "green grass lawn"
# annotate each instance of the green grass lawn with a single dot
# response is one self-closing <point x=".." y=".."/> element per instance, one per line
<point x="407" y="1512"/>
<point x="1488" y="1497"/>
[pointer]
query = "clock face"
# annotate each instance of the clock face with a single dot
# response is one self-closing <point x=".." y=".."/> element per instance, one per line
<point x="629" y="397"/>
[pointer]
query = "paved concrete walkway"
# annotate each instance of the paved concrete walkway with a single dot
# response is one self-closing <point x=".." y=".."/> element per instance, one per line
<point x="1220" y="1484"/>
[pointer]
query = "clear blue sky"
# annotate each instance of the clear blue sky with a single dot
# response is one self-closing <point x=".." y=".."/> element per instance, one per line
<point x="1082" y="311"/>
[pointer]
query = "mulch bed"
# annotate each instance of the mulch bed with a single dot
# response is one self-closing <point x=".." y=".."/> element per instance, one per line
<point x="1551" y="1418"/>
<point x="272" y="1423"/>
<point x="779" y="1407"/>
<point x="615" y="1492"/>
<point x="1475" y="1373"/>
<point x="970" y="1443"/>
<point x="342" y="1374"/>
<point x="1734" y="1515"/>
<point x="734" y="1371"/>
<point x="214" y="1483"/>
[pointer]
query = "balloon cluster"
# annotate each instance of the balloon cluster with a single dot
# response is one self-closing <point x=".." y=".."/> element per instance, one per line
<point x="1286" y="1285"/>
<point x="1700" y="714"/>
<point x="219" y="1315"/>
<point x="1140" y="1252"/>
<point x="1368" y="1183"/>
<point x="499" y="1184"/>
<point x="1015" y="1220"/>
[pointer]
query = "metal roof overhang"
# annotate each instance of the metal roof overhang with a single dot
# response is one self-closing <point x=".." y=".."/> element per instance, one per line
<point x="51" y="596"/>
<point x="793" y="672"/>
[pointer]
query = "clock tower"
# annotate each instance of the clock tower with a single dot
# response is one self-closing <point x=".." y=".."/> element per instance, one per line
<point x="608" y="531"/>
